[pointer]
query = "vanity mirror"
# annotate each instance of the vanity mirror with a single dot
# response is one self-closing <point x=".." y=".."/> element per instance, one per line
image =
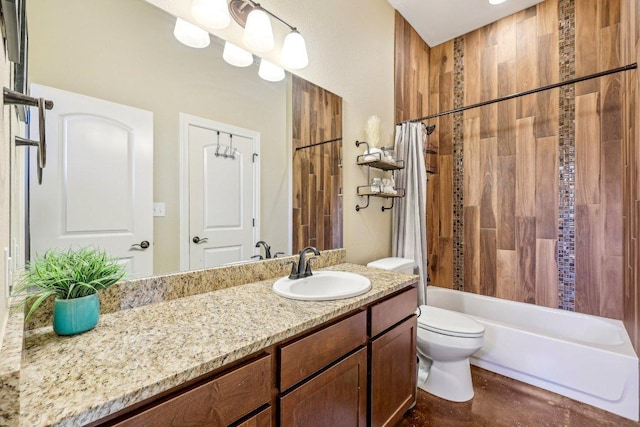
<point x="124" y="52"/>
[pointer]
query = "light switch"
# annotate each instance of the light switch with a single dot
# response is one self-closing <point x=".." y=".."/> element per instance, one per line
<point x="158" y="209"/>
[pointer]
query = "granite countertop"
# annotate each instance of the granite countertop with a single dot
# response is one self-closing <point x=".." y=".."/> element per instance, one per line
<point x="137" y="353"/>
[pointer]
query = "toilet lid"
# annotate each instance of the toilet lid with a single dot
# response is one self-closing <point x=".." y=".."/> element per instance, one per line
<point x="448" y="322"/>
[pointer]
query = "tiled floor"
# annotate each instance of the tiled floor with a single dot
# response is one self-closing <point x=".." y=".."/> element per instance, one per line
<point x="501" y="402"/>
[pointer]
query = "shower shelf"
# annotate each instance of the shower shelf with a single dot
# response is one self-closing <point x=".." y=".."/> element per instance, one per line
<point x="378" y="163"/>
<point x="375" y="160"/>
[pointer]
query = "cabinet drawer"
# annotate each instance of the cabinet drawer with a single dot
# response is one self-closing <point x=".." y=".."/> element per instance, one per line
<point x="307" y="355"/>
<point x="337" y="397"/>
<point x="218" y="402"/>
<point x="391" y="311"/>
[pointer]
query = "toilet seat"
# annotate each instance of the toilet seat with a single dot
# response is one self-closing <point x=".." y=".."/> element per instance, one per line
<point x="448" y="322"/>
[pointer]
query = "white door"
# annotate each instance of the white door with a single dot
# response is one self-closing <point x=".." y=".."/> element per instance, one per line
<point x="97" y="187"/>
<point x="223" y="192"/>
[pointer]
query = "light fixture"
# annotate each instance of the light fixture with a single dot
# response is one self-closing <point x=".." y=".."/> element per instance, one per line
<point x="211" y="13"/>
<point x="236" y="56"/>
<point x="190" y="35"/>
<point x="270" y="71"/>
<point x="294" y="51"/>
<point x="496" y="1"/>
<point x="258" y="35"/>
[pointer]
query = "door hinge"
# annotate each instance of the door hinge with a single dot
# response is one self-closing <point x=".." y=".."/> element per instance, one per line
<point x="254" y="222"/>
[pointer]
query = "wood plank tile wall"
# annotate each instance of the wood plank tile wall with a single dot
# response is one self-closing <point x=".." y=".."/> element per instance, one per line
<point x="317" y="171"/>
<point x="511" y="157"/>
<point x="630" y="33"/>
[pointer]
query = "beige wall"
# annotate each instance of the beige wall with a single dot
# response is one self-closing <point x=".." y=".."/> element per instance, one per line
<point x="75" y="46"/>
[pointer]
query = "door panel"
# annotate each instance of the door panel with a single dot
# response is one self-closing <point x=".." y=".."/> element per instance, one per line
<point x="222" y="255"/>
<point x="93" y="148"/>
<point x="97" y="186"/>
<point x="222" y="194"/>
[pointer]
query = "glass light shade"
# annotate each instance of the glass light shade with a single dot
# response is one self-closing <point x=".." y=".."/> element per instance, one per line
<point x="294" y="51"/>
<point x="496" y="1"/>
<point x="270" y="71"/>
<point x="211" y="13"/>
<point x="258" y="35"/>
<point x="236" y="56"/>
<point x="190" y="35"/>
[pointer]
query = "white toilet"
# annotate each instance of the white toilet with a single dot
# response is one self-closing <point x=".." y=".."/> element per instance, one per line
<point x="446" y="340"/>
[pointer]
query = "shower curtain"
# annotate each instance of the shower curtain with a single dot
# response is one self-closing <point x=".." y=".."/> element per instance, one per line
<point x="409" y="231"/>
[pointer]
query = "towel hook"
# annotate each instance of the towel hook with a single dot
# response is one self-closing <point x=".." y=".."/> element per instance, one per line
<point x="41" y="144"/>
<point x="218" y="145"/>
<point x="232" y="154"/>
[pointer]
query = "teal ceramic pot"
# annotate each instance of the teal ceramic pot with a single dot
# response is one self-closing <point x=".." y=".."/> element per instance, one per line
<point x="75" y="316"/>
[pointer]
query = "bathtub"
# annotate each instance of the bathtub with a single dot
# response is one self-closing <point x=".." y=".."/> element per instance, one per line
<point x="586" y="358"/>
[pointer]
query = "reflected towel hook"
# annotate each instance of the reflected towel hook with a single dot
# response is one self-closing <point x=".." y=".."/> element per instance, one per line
<point x="218" y="145"/>
<point x="232" y="153"/>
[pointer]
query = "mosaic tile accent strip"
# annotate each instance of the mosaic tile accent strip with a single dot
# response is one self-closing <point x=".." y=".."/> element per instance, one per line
<point x="567" y="157"/>
<point x="458" y="168"/>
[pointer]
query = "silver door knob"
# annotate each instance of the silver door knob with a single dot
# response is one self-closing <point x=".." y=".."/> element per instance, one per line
<point x="142" y="245"/>
<point x="197" y="240"/>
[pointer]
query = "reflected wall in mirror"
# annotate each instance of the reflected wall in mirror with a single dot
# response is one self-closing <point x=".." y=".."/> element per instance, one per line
<point x="124" y="52"/>
<point x="317" y="167"/>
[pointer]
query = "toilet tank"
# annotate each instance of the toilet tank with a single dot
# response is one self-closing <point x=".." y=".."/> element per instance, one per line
<point x="401" y="265"/>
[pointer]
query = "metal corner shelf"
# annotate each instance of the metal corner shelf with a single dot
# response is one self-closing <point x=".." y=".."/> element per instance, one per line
<point x="375" y="160"/>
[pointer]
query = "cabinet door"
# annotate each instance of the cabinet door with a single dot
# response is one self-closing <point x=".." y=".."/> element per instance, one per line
<point x="337" y="397"/>
<point x="393" y="373"/>
<point x="261" y="419"/>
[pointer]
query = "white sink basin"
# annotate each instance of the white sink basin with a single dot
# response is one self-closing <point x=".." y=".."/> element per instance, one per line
<point x="323" y="286"/>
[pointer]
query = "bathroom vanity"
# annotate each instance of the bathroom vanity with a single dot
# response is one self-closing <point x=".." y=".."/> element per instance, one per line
<point x="241" y="355"/>
<point x="318" y="378"/>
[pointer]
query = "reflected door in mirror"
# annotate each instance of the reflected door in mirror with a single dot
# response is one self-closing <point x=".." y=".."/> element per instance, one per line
<point x="223" y="192"/>
<point x="98" y="184"/>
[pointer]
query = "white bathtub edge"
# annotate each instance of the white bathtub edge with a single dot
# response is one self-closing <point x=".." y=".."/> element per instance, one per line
<point x="628" y="407"/>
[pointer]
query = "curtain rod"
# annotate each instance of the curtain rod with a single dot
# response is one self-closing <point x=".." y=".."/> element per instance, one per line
<point x="527" y="92"/>
<point x="319" y="143"/>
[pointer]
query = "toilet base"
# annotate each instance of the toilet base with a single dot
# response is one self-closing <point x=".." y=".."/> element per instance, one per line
<point x="448" y="380"/>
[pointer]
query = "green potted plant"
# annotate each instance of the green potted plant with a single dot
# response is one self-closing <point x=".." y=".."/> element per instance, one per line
<point x="74" y="277"/>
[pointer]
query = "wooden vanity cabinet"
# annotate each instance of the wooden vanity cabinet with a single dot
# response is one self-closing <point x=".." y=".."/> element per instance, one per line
<point x="374" y="386"/>
<point x="392" y="358"/>
<point x="357" y="371"/>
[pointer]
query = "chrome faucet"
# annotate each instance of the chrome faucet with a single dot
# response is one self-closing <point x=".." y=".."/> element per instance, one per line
<point x="302" y="269"/>
<point x="267" y="248"/>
